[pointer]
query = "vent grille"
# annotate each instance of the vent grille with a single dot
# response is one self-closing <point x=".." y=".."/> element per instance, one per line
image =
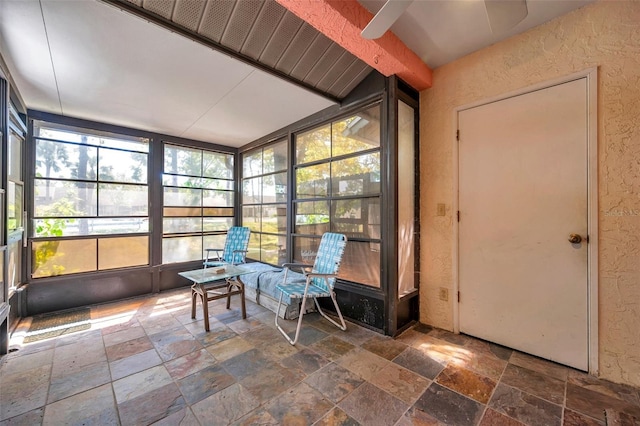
<point x="262" y="31"/>
<point x="163" y="8"/>
<point x="188" y="13"/>
<point x="266" y="32"/>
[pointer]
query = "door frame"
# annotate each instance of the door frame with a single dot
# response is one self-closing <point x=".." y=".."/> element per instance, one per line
<point x="591" y="74"/>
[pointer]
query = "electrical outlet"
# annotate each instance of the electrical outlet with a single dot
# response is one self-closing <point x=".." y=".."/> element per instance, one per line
<point x="441" y="209"/>
<point x="444" y="294"/>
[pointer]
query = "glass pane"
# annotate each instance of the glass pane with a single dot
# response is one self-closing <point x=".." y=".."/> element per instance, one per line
<point x="196" y="182"/>
<point x="77" y="227"/>
<point x="305" y="249"/>
<point x="274" y="219"/>
<point x="361" y="263"/>
<point x="217" y="198"/>
<point x="313" y="145"/>
<point x="357" y="133"/>
<point x="14" y="157"/>
<point x="182" y="211"/>
<point x="254" y="246"/>
<point x="217" y="165"/>
<point x="312" y="182"/>
<point x="356" y="218"/>
<point x="14" y="206"/>
<point x="252" y="164"/>
<point x="252" y="191"/>
<point x="214" y="241"/>
<point x="182" y="161"/>
<point x="90" y="137"/>
<point x="62" y="198"/>
<point x="122" y="166"/>
<point x="251" y="216"/>
<point x="406" y="198"/>
<point x="176" y="225"/>
<point x="274" y="188"/>
<point x="14" y="264"/>
<point x="182" y="197"/>
<point x="122" y="200"/>
<point x="181" y="249"/>
<point x="211" y="224"/>
<point x="357" y="175"/>
<point x="274" y="249"/>
<point x="312" y="217"/>
<point x="123" y="252"/>
<point x="51" y="258"/>
<point x="61" y="160"/>
<point x="275" y="157"/>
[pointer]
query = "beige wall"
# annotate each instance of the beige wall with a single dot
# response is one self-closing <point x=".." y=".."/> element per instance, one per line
<point x="606" y="35"/>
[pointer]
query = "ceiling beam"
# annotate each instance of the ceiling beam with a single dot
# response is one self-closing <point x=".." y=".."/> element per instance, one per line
<point x="343" y="20"/>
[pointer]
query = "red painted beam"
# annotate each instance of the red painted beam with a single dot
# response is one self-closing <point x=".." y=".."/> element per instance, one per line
<point x="343" y="20"/>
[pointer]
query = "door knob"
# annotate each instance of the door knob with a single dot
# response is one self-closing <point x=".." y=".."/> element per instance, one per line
<point x="575" y="239"/>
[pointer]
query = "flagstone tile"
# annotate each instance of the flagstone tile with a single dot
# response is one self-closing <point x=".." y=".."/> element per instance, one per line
<point x="535" y="383"/>
<point x="449" y="407"/>
<point x="371" y="405"/>
<point x="134" y="364"/>
<point x="158" y="404"/>
<point x="229" y="348"/>
<point x="127" y="348"/>
<point x="300" y="404"/>
<point x="525" y="407"/>
<point x="362" y="362"/>
<point x="137" y="384"/>
<point x="418" y="362"/>
<point x="204" y="383"/>
<point x="225" y="406"/>
<point x="400" y="382"/>
<point x="467" y="383"/>
<point x="80" y="380"/>
<point x="22" y="392"/>
<point x="93" y="407"/>
<point x="189" y="364"/>
<point x="334" y="382"/>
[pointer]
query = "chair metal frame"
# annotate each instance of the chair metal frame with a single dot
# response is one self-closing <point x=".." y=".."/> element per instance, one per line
<point x="310" y="289"/>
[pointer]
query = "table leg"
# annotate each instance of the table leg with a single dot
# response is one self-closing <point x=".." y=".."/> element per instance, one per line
<point x="240" y="285"/>
<point x="194" y="295"/>
<point x="205" y="307"/>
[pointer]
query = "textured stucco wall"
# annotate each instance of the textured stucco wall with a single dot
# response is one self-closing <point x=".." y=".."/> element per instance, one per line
<point x="603" y="34"/>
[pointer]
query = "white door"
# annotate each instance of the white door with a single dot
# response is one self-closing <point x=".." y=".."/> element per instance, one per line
<point x="522" y="193"/>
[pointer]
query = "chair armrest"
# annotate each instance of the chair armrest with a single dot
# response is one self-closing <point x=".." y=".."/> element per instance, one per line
<point x="301" y="266"/>
<point x="216" y="256"/>
<point x="244" y="255"/>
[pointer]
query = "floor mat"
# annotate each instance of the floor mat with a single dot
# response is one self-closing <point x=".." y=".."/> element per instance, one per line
<point x="47" y="326"/>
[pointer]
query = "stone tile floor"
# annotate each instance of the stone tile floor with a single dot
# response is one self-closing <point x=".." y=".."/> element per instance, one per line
<point x="146" y="361"/>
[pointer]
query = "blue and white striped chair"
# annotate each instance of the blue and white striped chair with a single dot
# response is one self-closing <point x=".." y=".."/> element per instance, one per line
<point x="234" y="251"/>
<point x="319" y="281"/>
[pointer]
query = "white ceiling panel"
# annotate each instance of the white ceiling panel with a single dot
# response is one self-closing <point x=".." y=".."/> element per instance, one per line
<point x="260" y="105"/>
<point x="110" y="66"/>
<point x="140" y="74"/>
<point x="27" y="53"/>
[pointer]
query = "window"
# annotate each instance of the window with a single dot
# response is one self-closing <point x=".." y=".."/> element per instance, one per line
<point x="264" y="198"/>
<point x="198" y="204"/>
<point x="337" y="189"/>
<point x="90" y="201"/>
<point x="15" y="198"/>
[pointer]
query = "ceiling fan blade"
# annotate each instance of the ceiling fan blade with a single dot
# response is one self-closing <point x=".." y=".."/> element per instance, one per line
<point x="385" y="17"/>
<point x="505" y="14"/>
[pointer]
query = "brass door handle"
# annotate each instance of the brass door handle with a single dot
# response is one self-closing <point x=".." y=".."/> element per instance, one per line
<point x="575" y="239"/>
